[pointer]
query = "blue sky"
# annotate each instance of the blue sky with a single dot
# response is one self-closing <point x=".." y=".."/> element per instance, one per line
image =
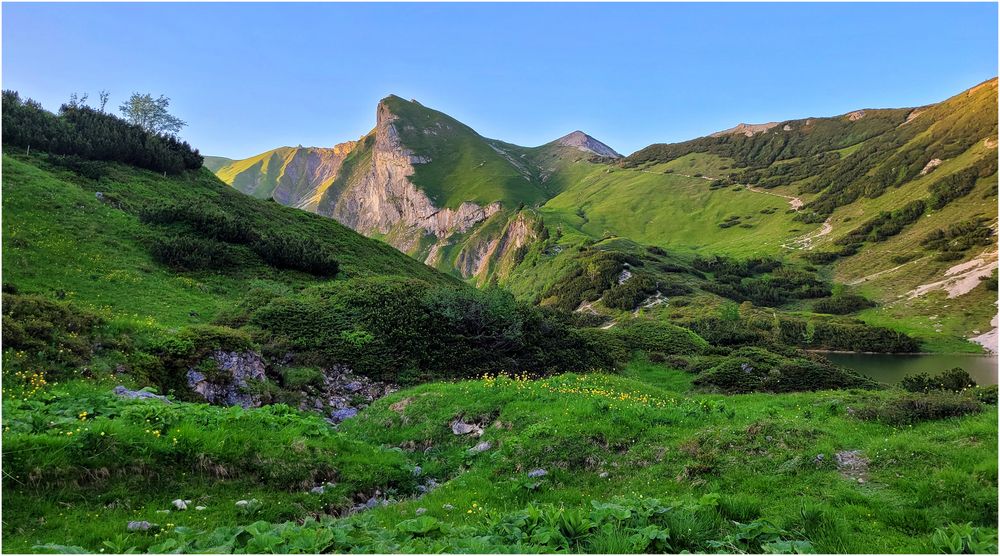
<point x="251" y="77"/>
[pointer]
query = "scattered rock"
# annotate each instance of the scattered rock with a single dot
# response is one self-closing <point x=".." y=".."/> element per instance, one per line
<point x="181" y="504"/>
<point x="163" y="511"/>
<point x="342" y="414"/>
<point x="852" y="465"/>
<point x="931" y="164"/>
<point x="236" y="370"/>
<point x="481" y="447"/>
<point x="317" y="489"/>
<point x="417" y="470"/>
<point x="100" y="197"/>
<point x="200" y="508"/>
<point x="536" y="473"/>
<point x="458" y="427"/>
<point x="603" y="475"/>
<point x="137" y="394"/>
<point x="421" y="511"/>
<point x="242" y="503"/>
<point x="140" y="526"/>
<point x="819" y="459"/>
<point x="448" y="507"/>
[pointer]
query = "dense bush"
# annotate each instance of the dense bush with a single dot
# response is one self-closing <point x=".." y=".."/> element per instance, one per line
<point x="45" y="336"/>
<point x="961" y="183"/>
<point x="214" y="229"/>
<point x="653" y="337"/>
<point x="763" y="281"/>
<point x="861" y="337"/>
<point x="189" y="252"/>
<point x="842" y="304"/>
<point x="87" y="133"/>
<point x="915" y="408"/>
<point x="885" y="225"/>
<point x="960" y="236"/>
<point x="752" y="369"/>
<point x="629" y="294"/>
<point x="954" y="380"/>
<point x="408" y="331"/>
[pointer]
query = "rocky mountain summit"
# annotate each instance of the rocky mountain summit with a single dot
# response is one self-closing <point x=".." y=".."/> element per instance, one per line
<point x="581" y="141"/>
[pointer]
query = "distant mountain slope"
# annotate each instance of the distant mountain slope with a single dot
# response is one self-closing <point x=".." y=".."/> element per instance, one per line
<point x="213" y="163"/>
<point x="424" y="182"/>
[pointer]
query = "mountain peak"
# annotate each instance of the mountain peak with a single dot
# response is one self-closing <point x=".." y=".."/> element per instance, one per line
<point x="583" y="142"/>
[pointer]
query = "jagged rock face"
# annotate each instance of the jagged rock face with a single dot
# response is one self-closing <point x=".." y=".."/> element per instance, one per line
<point x="384" y="198"/>
<point x="308" y="174"/>
<point x="475" y="258"/>
<point x="581" y="141"/>
<point x="236" y="370"/>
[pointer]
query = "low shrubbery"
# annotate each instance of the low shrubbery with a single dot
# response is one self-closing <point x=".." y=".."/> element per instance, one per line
<point x="843" y="304"/>
<point x="752" y="369"/>
<point x="953" y="380"/>
<point x="915" y="408"/>
<point x="409" y="331"/>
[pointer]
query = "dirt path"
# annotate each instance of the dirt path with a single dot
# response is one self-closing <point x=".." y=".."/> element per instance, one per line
<point x="794" y="202"/>
<point x="806" y="241"/>
<point x="881" y="272"/>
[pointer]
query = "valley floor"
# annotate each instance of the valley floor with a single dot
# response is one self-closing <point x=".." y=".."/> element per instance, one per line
<point x="597" y="463"/>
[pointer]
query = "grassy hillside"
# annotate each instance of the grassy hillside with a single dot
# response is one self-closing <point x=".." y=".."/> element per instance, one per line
<point x="93" y="249"/>
<point x="592" y="463"/>
<point x="464" y="166"/>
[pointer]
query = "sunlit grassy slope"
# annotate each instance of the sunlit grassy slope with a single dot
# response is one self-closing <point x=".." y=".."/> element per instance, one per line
<point x="59" y="238"/>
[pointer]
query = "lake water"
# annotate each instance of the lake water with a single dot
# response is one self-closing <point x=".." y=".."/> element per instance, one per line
<point x="891" y="369"/>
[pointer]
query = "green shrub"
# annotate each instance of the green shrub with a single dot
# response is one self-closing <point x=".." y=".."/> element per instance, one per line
<point x="964" y="539"/>
<point x="298" y="378"/>
<point x="915" y="408"/>
<point x="753" y="369"/>
<point x="658" y="337"/>
<point x="42" y="334"/>
<point x="954" y="380"/>
<point x="192" y="253"/>
<point x="842" y="304"/>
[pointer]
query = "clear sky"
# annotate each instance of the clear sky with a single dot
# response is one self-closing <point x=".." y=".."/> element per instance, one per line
<point x="251" y="77"/>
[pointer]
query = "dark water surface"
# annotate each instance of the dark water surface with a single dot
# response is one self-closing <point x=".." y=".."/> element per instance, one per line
<point x="890" y="369"/>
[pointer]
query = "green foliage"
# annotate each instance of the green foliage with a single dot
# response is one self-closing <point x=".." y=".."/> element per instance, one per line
<point x="653" y="337"/>
<point x="954" y="380"/>
<point x="885" y="225"/>
<point x="379" y="326"/>
<point x="963" y="539"/>
<point x="87" y="133"/>
<point x="763" y="281"/>
<point x="843" y="304"/>
<point x="915" y="408"/>
<point x="960" y="236"/>
<point x="961" y="183"/>
<point x="752" y="369"/>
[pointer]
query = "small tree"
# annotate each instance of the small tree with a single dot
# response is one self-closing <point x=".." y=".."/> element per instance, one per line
<point x="103" y="96"/>
<point x="151" y="114"/>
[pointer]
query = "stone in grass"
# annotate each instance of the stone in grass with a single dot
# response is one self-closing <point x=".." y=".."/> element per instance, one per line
<point x="536" y="473"/>
<point x="123" y="392"/>
<point x="421" y="511"/>
<point x="458" y="428"/>
<point x="140" y="526"/>
<point x="318" y="489"/>
<point x="481" y="447"/>
<point x="201" y="508"/>
<point x="181" y="504"/>
<point x="447" y="507"/>
<point x="603" y="475"/>
<point x="343" y="414"/>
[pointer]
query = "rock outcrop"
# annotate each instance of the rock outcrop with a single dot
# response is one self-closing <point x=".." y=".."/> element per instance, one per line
<point x="228" y="383"/>
<point x="383" y="199"/>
